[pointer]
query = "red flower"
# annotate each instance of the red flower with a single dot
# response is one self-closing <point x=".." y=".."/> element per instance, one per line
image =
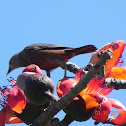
<point x="64" y="86"/>
<point x="16" y="99"/>
<point x="118" y="73"/>
<point x="13" y="101"/>
<point x="105" y="108"/>
<point x="94" y="86"/>
<point x="117" y="48"/>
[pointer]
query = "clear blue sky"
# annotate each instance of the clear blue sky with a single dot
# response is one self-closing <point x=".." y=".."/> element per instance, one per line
<point x="67" y="22"/>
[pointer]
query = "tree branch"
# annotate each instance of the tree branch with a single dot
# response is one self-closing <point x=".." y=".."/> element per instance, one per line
<point x="116" y="83"/>
<point x="66" y="99"/>
<point x="72" y="67"/>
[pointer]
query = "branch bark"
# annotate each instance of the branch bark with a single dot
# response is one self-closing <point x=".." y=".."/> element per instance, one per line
<point x="53" y="109"/>
<point x="116" y="83"/>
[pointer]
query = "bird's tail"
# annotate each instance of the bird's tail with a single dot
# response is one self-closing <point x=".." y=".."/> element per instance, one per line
<point x="82" y="50"/>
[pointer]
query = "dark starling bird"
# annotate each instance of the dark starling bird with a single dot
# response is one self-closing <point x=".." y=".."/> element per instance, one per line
<point x="46" y="56"/>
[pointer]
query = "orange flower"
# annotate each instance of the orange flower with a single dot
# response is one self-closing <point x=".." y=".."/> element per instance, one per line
<point x="118" y="73"/>
<point x="13" y="100"/>
<point x="64" y="86"/>
<point x="94" y="96"/>
<point x="117" y="47"/>
<point x="101" y="113"/>
<point x="7" y="116"/>
<point x="16" y="99"/>
<point x="94" y="86"/>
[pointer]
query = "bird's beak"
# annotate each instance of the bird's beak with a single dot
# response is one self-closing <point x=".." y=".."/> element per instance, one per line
<point x="9" y="70"/>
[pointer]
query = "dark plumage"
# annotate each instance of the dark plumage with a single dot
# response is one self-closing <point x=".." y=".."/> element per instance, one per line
<point x="45" y="55"/>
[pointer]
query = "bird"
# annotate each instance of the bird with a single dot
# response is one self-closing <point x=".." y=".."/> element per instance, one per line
<point x="46" y="56"/>
<point x="37" y="88"/>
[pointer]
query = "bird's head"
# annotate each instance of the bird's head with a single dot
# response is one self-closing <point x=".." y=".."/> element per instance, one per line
<point x="13" y="63"/>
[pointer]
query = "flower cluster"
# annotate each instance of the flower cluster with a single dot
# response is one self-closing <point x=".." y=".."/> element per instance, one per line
<point x="95" y="94"/>
<point x="92" y="102"/>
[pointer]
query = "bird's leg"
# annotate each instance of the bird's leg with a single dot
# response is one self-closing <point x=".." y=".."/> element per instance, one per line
<point x="63" y="65"/>
<point x="72" y="67"/>
<point x="48" y="73"/>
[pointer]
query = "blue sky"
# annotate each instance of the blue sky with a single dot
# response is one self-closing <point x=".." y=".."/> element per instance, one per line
<point x="71" y="23"/>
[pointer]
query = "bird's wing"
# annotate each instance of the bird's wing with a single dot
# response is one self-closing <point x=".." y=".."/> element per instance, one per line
<point x="45" y="46"/>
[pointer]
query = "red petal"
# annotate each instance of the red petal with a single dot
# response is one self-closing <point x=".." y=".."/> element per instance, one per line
<point x="78" y="75"/>
<point x="117" y="48"/>
<point x="121" y="118"/>
<point x="94" y="86"/>
<point x="59" y="92"/>
<point x="118" y="73"/>
<point x="2" y="116"/>
<point x="7" y="116"/>
<point x="117" y="53"/>
<point x="102" y="112"/>
<point x="11" y="118"/>
<point x="117" y="104"/>
<point x="64" y="86"/>
<point x="16" y="99"/>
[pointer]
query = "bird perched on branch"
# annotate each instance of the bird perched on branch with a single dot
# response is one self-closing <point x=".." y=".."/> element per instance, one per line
<point x="46" y="56"/>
